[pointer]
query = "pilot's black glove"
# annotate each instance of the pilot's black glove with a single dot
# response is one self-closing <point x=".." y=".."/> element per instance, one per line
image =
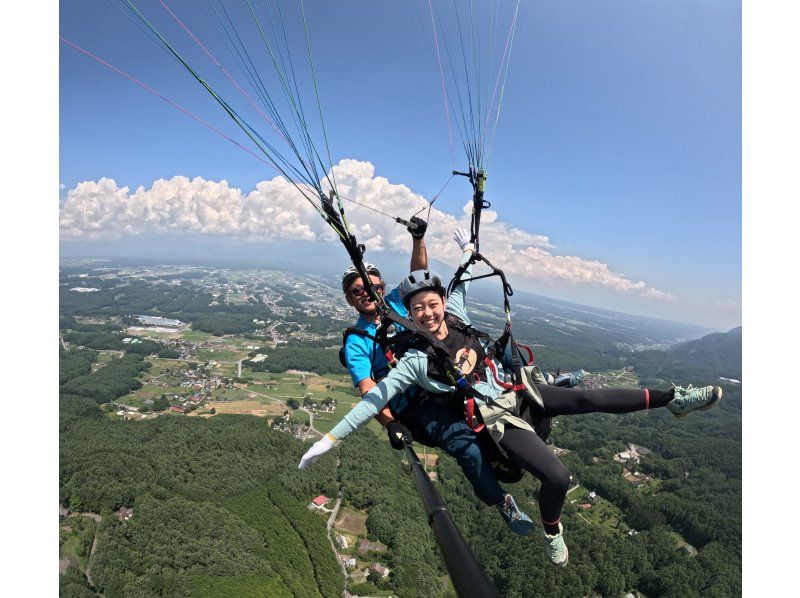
<point x="421" y="227"/>
<point x="396" y="431"/>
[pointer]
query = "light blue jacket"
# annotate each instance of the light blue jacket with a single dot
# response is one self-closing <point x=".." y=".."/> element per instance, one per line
<point x="412" y="369"/>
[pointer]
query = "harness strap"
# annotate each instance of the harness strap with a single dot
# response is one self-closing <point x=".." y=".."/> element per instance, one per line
<point x="490" y="364"/>
<point x="528" y="350"/>
<point x="469" y="414"/>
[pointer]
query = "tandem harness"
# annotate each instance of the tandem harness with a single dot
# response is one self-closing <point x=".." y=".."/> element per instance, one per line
<point x="441" y="366"/>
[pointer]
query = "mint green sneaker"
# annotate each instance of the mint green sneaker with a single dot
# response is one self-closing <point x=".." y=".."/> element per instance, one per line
<point x="688" y="399"/>
<point x="556" y="549"/>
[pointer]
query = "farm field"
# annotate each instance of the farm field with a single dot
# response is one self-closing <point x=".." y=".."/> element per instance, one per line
<point x="218" y="354"/>
<point x="352" y="522"/>
<point x="287" y="389"/>
<point x="263" y="394"/>
<point x="137" y="397"/>
<point x="238" y="394"/>
<point x="259" y="377"/>
<point x="154" y="333"/>
<point x="196" y="336"/>
<point x="339" y="394"/>
<point x="153" y="391"/>
<point x="239" y="343"/>
<point x="104" y="357"/>
<point x="300" y="416"/>
<point x="246" y="407"/>
<point x="159" y="365"/>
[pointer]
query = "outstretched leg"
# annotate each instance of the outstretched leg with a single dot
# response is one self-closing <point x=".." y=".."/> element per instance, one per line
<point x="572" y="401"/>
<point x="680" y="401"/>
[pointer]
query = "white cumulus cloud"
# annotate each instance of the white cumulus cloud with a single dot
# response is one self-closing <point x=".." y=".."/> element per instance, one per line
<point x="275" y="210"/>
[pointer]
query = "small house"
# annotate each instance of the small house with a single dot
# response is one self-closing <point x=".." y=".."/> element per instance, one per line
<point x="124" y="513"/>
<point x="319" y="502"/>
<point x="377" y="568"/>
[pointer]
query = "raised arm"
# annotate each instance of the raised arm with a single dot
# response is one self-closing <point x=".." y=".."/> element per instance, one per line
<point x="456" y="300"/>
<point x="419" y="253"/>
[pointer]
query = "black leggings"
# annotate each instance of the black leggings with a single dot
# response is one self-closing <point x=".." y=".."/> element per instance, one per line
<point x="534" y="456"/>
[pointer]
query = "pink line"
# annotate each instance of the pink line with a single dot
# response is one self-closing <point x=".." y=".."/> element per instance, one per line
<point x="647" y="398"/>
<point x="444" y="88"/>
<point x="500" y="70"/>
<point x="168" y="101"/>
<point x="222" y="68"/>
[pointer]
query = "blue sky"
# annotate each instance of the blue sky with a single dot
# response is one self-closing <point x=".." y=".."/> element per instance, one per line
<point x="619" y="138"/>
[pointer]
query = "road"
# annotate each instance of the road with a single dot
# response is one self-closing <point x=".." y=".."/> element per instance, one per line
<point x="331" y="521"/>
<point x="584" y="518"/>
<point x="97" y="518"/>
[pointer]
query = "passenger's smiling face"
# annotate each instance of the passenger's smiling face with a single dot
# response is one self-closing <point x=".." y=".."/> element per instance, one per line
<point x="427" y="311"/>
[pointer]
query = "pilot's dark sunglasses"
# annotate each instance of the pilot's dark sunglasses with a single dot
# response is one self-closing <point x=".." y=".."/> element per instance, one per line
<point x="360" y="291"/>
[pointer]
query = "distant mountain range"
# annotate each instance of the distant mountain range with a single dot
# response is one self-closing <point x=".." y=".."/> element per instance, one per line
<point x="712" y="356"/>
<point x="552" y="321"/>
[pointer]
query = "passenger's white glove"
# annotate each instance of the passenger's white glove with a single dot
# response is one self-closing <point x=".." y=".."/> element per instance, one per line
<point x="461" y="236"/>
<point x="319" y="448"/>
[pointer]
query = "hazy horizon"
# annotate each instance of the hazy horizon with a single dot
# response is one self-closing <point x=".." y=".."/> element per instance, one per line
<point x="329" y="260"/>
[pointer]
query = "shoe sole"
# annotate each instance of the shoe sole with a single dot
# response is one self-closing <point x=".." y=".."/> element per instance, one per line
<point x="716" y="397"/>
<point x="564" y="564"/>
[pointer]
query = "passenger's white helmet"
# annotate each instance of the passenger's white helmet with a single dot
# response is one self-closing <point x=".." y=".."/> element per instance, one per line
<point x="420" y="280"/>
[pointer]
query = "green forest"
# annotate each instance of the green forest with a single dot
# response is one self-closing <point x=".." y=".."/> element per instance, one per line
<point x="219" y="506"/>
